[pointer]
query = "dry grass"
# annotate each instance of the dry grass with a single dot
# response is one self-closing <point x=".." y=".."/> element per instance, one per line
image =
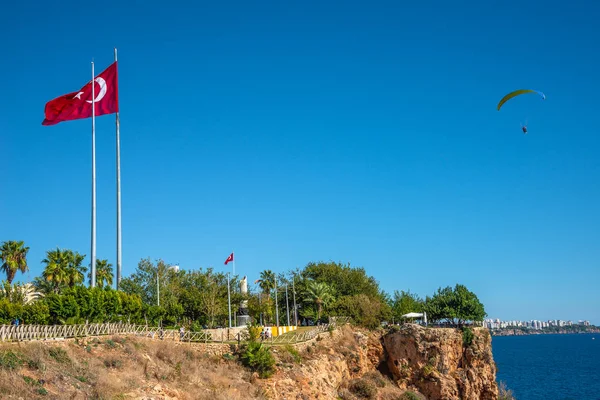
<point x="122" y="368"/>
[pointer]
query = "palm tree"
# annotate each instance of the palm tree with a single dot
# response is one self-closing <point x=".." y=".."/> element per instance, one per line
<point x="75" y="271"/>
<point x="104" y="273"/>
<point x="266" y="282"/>
<point x="319" y="294"/>
<point x="56" y="270"/>
<point x="63" y="267"/>
<point x="14" y="258"/>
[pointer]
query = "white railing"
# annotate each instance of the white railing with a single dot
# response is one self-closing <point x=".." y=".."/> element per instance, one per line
<point x="13" y="333"/>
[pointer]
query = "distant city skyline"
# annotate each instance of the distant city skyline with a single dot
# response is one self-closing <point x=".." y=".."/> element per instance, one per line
<point x="492" y="323"/>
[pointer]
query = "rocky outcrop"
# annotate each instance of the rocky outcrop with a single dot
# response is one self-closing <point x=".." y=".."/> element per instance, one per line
<point x="352" y="364"/>
<point x="436" y="362"/>
<point x="327" y="363"/>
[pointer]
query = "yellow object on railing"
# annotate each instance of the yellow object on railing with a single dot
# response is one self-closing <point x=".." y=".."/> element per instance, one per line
<point x="276" y="331"/>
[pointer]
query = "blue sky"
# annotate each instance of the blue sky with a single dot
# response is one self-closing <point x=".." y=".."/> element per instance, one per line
<point x="361" y="132"/>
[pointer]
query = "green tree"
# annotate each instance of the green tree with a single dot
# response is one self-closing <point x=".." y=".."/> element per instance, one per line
<point x="56" y="271"/>
<point x="440" y="306"/>
<point x="104" y="274"/>
<point x="467" y="305"/>
<point x="343" y="279"/>
<point x="75" y="270"/>
<point x="259" y="305"/>
<point x="14" y="258"/>
<point x="454" y="305"/>
<point x="404" y="303"/>
<point x="266" y="282"/>
<point x="143" y="281"/>
<point x="320" y="294"/>
<point x="364" y="310"/>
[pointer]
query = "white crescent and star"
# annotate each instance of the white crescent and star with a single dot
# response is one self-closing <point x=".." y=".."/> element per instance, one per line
<point x="101" y="93"/>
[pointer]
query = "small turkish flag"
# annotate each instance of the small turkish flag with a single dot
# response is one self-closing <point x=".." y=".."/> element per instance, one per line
<point x="230" y="258"/>
<point x="78" y="105"/>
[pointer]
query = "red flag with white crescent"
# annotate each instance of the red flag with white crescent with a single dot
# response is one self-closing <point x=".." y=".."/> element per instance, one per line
<point x="230" y="258"/>
<point x="78" y="105"/>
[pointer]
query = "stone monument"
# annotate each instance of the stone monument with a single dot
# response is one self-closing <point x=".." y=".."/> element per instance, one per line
<point x="243" y="318"/>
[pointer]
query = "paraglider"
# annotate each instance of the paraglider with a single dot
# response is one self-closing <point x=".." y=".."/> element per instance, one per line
<point x="517" y="93"/>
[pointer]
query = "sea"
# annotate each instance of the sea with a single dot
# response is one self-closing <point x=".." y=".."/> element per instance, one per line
<point x="549" y="367"/>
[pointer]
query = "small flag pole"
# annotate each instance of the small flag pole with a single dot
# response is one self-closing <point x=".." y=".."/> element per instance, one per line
<point x="229" y="298"/>
<point x="118" y="127"/>
<point x="93" y="255"/>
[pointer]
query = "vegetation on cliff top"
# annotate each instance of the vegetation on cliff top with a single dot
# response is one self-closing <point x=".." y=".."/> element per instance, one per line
<point x="198" y="298"/>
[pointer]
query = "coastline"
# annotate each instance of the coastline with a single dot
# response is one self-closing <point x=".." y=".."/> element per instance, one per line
<point x="527" y="332"/>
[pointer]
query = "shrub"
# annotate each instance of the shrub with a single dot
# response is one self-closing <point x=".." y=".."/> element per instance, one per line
<point x="376" y="378"/>
<point x="10" y="360"/>
<point x="258" y="358"/>
<point x="60" y="355"/>
<point x="408" y="395"/>
<point x="112" y="363"/>
<point x="36" y="364"/>
<point x="363" y="389"/>
<point x="467" y="336"/>
<point x="294" y="353"/>
<point x="427" y="370"/>
<point x="504" y="393"/>
<point x="253" y="332"/>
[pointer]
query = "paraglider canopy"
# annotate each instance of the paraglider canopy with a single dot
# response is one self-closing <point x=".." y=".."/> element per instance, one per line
<point x="517" y="93"/>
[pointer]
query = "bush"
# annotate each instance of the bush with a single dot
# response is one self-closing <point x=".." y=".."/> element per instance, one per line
<point x="196" y="327"/>
<point x="10" y="360"/>
<point x="376" y="378"/>
<point x="363" y="389"/>
<point x="294" y="353"/>
<point x="259" y="359"/>
<point x="408" y="395"/>
<point x="112" y="363"/>
<point x="60" y="355"/>
<point x="467" y="334"/>
<point x="253" y="332"/>
<point x="504" y="393"/>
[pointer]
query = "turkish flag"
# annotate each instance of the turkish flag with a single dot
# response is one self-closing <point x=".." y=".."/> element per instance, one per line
<point x="78" y="105"/>
<point x="230" y="258"/>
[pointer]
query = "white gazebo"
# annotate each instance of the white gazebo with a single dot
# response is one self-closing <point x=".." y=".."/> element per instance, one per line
<point x="423" y="316"/>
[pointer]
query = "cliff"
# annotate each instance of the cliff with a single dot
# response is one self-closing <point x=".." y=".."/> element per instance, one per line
<point x="410" y="362"/>
<point x="349" y="364"/>
<point x="439" y="365"/>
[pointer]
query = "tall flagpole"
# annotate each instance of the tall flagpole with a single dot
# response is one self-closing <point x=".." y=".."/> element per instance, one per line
<point x="93" y="255"/>
<point x="118" y="125"/>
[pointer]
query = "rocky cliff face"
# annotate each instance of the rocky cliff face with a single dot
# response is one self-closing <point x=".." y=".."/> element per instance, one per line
<point x="428" y="363"/>
<point x="436" y="362"/>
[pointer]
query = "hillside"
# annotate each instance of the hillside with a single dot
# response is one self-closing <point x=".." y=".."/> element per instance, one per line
<point x="119" y="368"/>
<point x="346" y="363"/>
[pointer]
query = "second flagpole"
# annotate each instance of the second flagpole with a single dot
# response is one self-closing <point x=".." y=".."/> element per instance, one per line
<point x="93" y="255"/>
